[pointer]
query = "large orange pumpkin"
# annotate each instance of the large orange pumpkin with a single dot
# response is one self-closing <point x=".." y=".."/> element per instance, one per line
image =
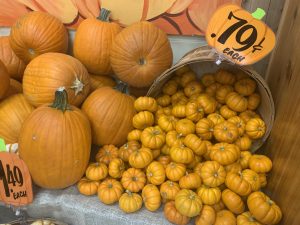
<point x="110" y="113"/>
<point x="93" y="41"/>
<point x="13" y="111"/>
<point x="4" y="78"/>
<point x="140" y="53"/>
<point x="36" y="33"/>
<point x="49" y="71"/>
<point x="55" y="142"/>
<point x="97" y="81"/>
<point x="15" y="67"/>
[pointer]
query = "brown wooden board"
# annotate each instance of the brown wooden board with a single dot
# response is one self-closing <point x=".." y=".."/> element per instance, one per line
<point x="283" y="145"/>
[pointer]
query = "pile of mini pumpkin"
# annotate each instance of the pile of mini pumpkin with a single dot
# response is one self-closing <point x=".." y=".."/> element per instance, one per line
<point x="190" y="149"/>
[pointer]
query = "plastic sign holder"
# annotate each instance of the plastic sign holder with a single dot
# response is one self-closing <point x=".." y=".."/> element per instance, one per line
<point x="238" y="36"/>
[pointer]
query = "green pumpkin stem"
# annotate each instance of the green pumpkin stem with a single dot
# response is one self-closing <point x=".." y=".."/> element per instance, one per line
<point x="61" y="100"/>
<point x="122" y="87"/>
<point x="104" y="15"/>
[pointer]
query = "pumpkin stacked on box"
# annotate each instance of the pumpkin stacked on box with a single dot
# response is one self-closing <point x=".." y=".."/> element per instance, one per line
<point x="189" y="148"/>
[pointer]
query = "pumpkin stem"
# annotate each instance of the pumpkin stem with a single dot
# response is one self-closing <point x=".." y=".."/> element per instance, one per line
<point x="61" y="100"/>
<point x="104" y="15"/>
<point x="128" y="192"/>
<point x="122" y="87"/>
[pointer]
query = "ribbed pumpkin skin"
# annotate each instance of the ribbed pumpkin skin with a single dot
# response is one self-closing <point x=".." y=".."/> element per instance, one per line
<point x="49" y="71"/>
<point x="15" y="87"/>
<point x="36" y="33"/>
<point x="97" y="81"/>
<point x="4" y="78"/>
<point x="140" y="53"/>
<point x="92" y="44"/>
<point x="13" y="111"/>
<point x="110" y="113"/>
<point x="55" y="146"/>
<point x="15" y="67"/>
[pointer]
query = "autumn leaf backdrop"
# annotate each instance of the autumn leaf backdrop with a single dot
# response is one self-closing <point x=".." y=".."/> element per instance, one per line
<point x="178" y="17"/>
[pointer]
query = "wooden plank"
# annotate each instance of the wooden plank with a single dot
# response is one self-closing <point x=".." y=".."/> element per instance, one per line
<point x="283" y="145"/>
<point x="273" y="14"/>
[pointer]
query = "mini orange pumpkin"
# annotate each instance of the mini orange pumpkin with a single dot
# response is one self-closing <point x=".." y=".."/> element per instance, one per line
<point x="190" y="181"/>
<point x="153" y="137"/>
<point x="151" y="197"/>
<point x="170" y="88"/>
<point x="225" y="217"/>
<point x="168" y="190"/>
<point x="244" y="159"/>
<point x="216" y="118"/>
<point x="140" y="68"/>
<point x="255" y="128"/>
<point x="207" y="216"/>
<point x="181" y="154"/>
<point x="188" y="203"/>
<point x="226" y="112"/>
<point x="224" y="77"/>
<point x="225" y="153"/>
<point x="87" y="187"/>
<point x="253" y="101"/>
<point x="182" y="70"/>
<point x="167" y="123"/>
<point x="248" y="114"/>
<point x="209" y="195"/>
<point x="236" y="102"/>
<point x="133" y="180"/>
<point x="208" y="103"/>
<point x="222" y="93"/>
<point x="116" y="168"/>
<point x="174" y="171"/>
<point x="145" y="104"/>
<point x="247" y="218"/>
<point x="134" y="135"/>
<point x="244" y="143"/>
<point x="205" y="129"/>
<point x="130" y="202"/>
<point x="237" y="183"/>
<point x="212" y="173"/>
<point x="173" y="215"/>
<point x="245" y="86"/>
<point x="140" y="158"/>
<point x="195" y="143"/>
<point x="110" y="191"/>
<point x="252" y="178"/>
<point x="96" y="171"/>
<point x="263" y="208"/>
<point x="165" y="149"/>
<point x="174" y="139"/>
<point x="239" y="123"/>
<point x="107" y="153"/>
<point x="226" y="132"/>
<point x="260" y="163"/>
<point x="142" y="120"/>
<point x="194" y="111"/>
<point x="211" y="90"/>
<point x="185" y="127"/>
<point x="187" y="78"/>
<point x="126" y="149"/>
<point x="193" y="88"/>
<point x="164" y="160"/>
<point x="156" y="173"/>
<point x="208" y="79"/>
<point x="233" y="168"/>
<point x="179" y="111"/>
<point x="164" y="100"/>
<point x="233" y="201"/>
<point x="262" y="179"/>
